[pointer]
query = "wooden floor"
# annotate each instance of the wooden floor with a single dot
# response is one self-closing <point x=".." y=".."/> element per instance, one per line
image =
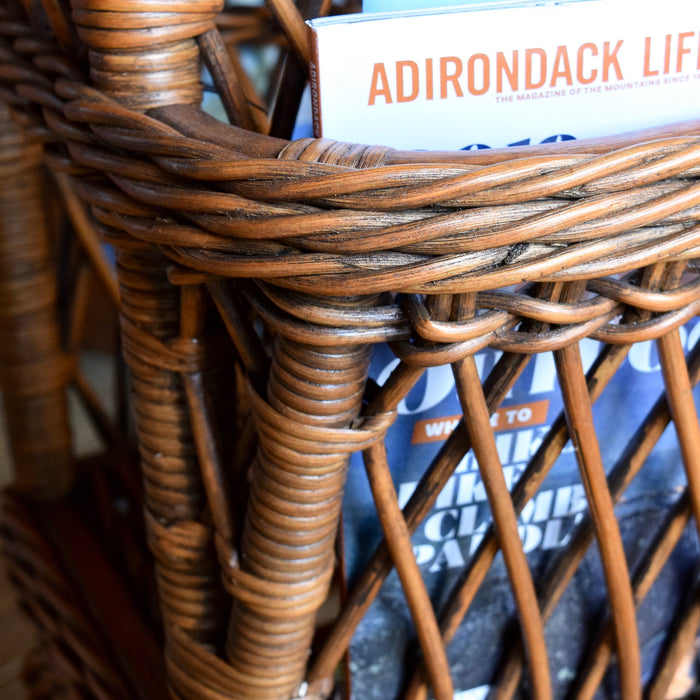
<point x="16" y="635"/>
<point x="16" y="640"/>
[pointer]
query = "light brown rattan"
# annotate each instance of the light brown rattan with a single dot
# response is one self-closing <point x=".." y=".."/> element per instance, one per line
<point x="218" y="228"/>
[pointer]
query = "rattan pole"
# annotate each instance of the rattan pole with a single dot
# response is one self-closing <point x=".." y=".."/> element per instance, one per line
<point x="287" y="549"/>
<point x="145" y="55"/>
<point x="34" y="371"/>
<point x="190" y="593"/>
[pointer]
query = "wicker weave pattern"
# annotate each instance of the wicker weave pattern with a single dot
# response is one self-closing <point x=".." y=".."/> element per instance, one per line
<point x="523" y="251"/>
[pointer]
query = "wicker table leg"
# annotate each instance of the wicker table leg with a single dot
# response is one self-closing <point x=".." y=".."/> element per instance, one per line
<point x="182" y="545"/>
<point x="34" y="371"/>
<point x="287" y="550"/>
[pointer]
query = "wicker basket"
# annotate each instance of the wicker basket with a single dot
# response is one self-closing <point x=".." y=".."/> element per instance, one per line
<point x="256" y="275"/>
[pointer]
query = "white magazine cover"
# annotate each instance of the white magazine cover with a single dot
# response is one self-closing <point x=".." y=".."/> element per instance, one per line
<point x="472" y="78"/>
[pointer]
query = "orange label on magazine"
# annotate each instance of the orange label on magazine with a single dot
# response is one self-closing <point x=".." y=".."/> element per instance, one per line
<point x="505" y="418"/>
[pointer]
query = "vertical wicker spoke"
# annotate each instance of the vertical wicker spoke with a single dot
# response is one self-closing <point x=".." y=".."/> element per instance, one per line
<point x="683" y="412"/>
<point x="465" y="589"/>
<point x="583" y="437"/>
<point x="293" y="24"/>
<point x="476" y="418"/>
<point x="60" y="24"/>
<point x="682" y="637"/>
<point x="242" y="106"/>
<point x="562" y="570"/>
<point x="646" y="572"/>
<point x="685" y="419"/>
<point x="248" y="345"/>
<point x="398" y="541"/>
<point x="82" y="289"/>
<point x="105" y="428"/>
<point x="88" y="237"/>
<point x="208" y="454"/>
<point x="201" y="418"/>
<point x="293" y="77"/>
<point x="537" y="469"/>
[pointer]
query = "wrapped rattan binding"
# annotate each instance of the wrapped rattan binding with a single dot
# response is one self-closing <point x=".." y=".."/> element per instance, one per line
<point x="30" y="346"/>
<point x="218" y="227"/>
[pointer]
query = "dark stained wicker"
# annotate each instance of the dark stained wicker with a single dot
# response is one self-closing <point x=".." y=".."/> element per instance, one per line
<point x="255" y="275"/>
<point x="84" y="648"/>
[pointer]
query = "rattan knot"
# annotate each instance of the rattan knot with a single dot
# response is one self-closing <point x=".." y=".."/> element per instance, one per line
<point x="312" y="439"/>
<point x="145" y="54"/>
<point x="287" y="600"/>
<point x="351" y="155"/>
<point x="184" y="541"/>
<point x="196" y="672"/>
<point x="179" y="355"/>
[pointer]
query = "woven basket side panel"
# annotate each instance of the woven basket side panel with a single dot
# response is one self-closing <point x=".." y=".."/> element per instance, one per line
<point x="447" y="491"/>
<point x="518" y="255"/>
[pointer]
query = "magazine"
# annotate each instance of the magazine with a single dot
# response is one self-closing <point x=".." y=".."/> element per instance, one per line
<point x="472" y="78"/>
<point x="383" y="648"/>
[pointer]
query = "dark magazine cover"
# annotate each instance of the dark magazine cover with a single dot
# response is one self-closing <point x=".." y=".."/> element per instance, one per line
<point x="384" y="646"/>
